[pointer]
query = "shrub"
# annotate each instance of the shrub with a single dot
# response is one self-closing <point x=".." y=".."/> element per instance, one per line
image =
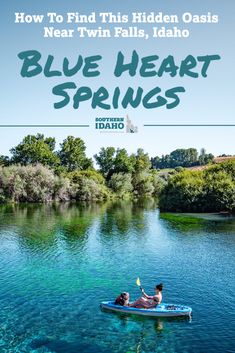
<point x="120" y="183"/>
<point x="142" y="184"/>
<point x="31" y="184"/>
<point x="183" y="192"/>
<point x="157" y="182"/>
<point x="201" y="191"/>
<point x="77" y="175"/>
<point x="88" y="189"/>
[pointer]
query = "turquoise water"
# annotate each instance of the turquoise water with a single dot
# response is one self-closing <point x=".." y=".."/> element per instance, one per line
<point x="57" y="263"/>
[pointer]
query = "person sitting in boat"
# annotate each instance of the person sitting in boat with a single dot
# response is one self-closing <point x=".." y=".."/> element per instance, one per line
<point x="149" y="301"/>
<point x="123" y="299"/>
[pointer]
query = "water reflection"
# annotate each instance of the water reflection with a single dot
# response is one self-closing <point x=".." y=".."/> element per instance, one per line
<point x="43" y="225"/>
<point x="40" y="225"/>
<point x="122" y="215"/>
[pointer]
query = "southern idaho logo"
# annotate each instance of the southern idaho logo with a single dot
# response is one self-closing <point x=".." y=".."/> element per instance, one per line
<point x="115" y="124"/>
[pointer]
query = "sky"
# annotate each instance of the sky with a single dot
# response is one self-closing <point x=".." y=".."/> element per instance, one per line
<point x="206" y="100"/>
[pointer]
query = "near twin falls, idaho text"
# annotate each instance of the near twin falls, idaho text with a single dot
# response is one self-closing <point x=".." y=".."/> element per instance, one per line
<point x="107" y="24"/>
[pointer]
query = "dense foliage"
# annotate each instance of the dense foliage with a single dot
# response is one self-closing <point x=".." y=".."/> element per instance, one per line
<point x="37" y="172"/>
<point x="40" y="184"/>
<point x="35" y="149"/>
<point x="72" y="154"/>
<point x="128" y="174"/>
<point x="207" y="190"/>
<point x="32" y="184"/>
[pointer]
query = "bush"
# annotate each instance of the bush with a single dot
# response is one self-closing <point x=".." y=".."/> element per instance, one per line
<point x="219" y="191"/>
<point x="31" y="184"/>
<point x="40" y="184"/>
<point x="201" y="191"/>
<point x="62" y="189"/>
<point x="142" y="184"/>
<point x="88" y="189"/>
<point x="120" y="183"/>
<point x="157" y="182"/>
<point x="179" y="169"/>
<point x="183" y="192"/>
<point x="76" y="176"/>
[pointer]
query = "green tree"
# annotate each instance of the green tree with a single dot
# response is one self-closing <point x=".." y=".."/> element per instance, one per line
<point x="35" y="149"/>
<point x="105" y="160"/>
<point x="184" y="157"/>
<point x="167" y="161"/>
<point x="179" y="158"/>
<point x="156" y="162"/>
<point x="123" y="163"/>
<point x="112" y="161"/>
<point x="72" y="154"/>
<point x="142" y="161"/>
<point x="205" y="158"/>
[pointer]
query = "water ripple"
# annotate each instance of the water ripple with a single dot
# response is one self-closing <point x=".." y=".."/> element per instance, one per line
<point x="57" y="263"/>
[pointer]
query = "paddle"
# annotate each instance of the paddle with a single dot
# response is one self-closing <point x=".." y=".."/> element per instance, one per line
<point x="139" y="284"/>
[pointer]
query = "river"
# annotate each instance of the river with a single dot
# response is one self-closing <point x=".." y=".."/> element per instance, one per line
<point x="58" y="262"/>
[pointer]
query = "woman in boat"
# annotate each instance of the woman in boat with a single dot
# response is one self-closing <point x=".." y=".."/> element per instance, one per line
<point x="149" y="301"/>
<point x="123" y="299"/>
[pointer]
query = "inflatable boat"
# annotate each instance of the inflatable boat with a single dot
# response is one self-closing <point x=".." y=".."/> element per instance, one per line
<point x="162" y="310"/>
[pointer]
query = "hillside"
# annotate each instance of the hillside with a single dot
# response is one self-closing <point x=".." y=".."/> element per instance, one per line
<point x="216" y="160"/>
